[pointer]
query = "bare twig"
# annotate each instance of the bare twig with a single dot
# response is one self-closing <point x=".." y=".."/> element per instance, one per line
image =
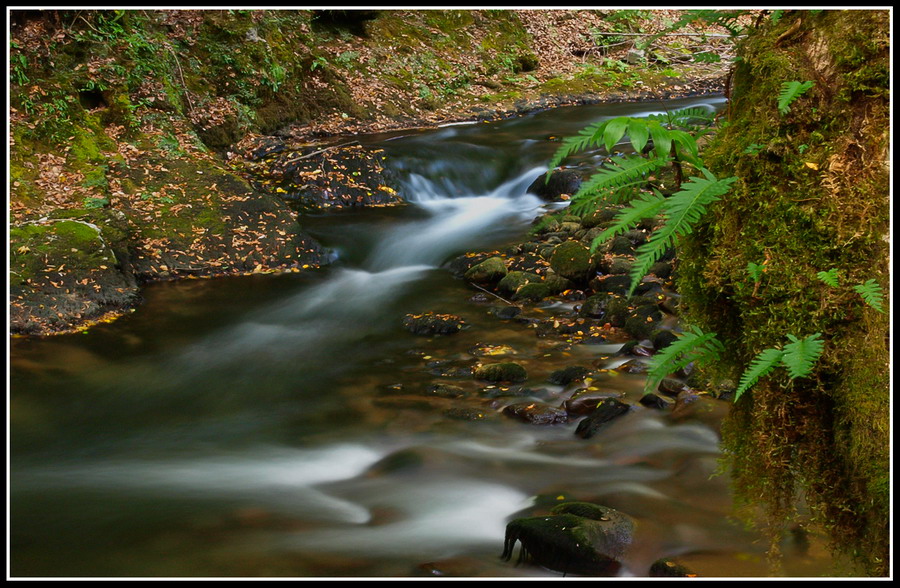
<point x="495" y="295"/>
<point x="323" y="150"/>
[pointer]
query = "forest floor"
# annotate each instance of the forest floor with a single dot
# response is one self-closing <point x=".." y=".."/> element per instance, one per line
<point x="129" y="130"/>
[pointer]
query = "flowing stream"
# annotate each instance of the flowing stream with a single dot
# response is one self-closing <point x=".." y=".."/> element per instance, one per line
<point x="279" y="426"/>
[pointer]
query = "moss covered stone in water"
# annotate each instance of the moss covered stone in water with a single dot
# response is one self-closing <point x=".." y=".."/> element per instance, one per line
<point x="571" y="260"/>
<point x="501" y="372"/>
<point x="489" y="271"/>
<point x="514" y="280"/>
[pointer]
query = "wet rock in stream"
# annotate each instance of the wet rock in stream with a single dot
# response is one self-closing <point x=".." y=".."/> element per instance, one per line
<point x="576" y="538"/>
<point x="537" y="413"/>
<point x="489" y="271"/>
<point x="500" y="372"/>
<point x="431" y="323"/>
<point x="608" y="410"/>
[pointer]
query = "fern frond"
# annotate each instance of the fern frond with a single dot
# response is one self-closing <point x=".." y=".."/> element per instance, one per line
<point x="614" y="131"/>
<point x="830" y="277"/>
<point x="662" y="139"/>
<point x="766" y="361"/>
<point x="682" y="210"/>
<point x="790" y="91"/>
<point x="685" y="117"/>
<point x="639" y="134"/>
<point x="692" y="345"/>
<point x="871" y="293"/>
<point x="755" y="270"/>
<point x="590" y="136"/>
<point x="801" y="354"/>
<point x="615" y="175"/>
<point x="645" y="206"/>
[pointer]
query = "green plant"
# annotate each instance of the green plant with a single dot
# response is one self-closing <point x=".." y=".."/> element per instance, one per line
<point x="691" y="346"/>
<point x="830" y="277"/>
<point x="756" y="270"/>
<point x="871" y="293"/>
<point x="790" y="91"/>
<point x="620" y="181"/>
<point x="91" y="202"/>
<point x="18" y="66"/>
<point x="707" y="57"/>
<point x="798" y="357"/>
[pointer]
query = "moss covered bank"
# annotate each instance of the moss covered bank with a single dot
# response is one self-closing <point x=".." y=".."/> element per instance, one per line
<point x="812" y="196"/>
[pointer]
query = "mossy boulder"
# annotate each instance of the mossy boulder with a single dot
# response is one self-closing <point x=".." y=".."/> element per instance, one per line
<point x="501" y="372"/>
<point x="533" y="292"/>
<point x="572" y="260"/>
<point x="594" y="306"/>
<point x="514" y="280"/>
<point x="489" y="271"/>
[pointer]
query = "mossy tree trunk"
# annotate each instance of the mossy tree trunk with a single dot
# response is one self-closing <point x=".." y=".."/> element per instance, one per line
<point x="813" y="195"/>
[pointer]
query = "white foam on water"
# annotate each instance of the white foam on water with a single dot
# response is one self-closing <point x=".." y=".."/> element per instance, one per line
<point x="279" y="478"/>
<point x="436" y="517"/>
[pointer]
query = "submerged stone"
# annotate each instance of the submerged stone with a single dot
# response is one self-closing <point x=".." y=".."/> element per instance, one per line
<point x="585" y="401"/>
<point x="567" y="375"/>
<point x="555" y="185"/>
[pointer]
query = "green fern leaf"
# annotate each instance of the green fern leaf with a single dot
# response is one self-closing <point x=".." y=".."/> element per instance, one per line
<point x="756" y="270"/>
<point x="685" y="118"/>
<point x="790" y="91"/>
<point x="693" y="345"/>
<point x="590" y="136"/>
<point x="614" y="131"/>
<point x="682" y="210"/>
<point x="871" y="293"/>
<point x="645" y="206"/>
<point x="638" y="133"/>
<point x="762" y="364"/>
<point x="613" y="176"/>
<point x="830" y="277"/>
<point x="800" y="355"/>
<point x="662" y="139"/>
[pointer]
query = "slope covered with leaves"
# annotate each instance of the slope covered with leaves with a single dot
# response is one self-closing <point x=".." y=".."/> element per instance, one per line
<point x="124" y="123"/>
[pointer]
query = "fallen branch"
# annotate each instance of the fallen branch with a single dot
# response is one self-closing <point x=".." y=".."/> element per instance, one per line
<point x="323" y="150"/>
<point x="495" y="295"/>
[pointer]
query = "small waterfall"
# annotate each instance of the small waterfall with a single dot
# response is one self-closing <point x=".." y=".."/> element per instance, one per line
<point x="454" y="223"/>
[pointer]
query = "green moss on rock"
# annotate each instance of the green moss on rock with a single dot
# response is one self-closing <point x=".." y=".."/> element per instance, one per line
<point x="501" y="372"/>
